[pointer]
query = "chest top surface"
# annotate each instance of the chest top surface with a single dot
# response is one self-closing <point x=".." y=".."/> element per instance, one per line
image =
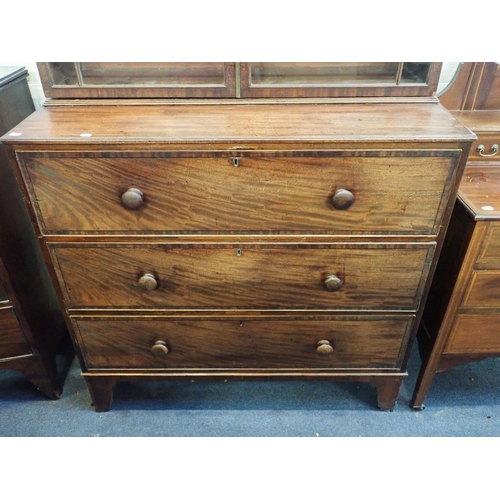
<point x="262" y="123"/>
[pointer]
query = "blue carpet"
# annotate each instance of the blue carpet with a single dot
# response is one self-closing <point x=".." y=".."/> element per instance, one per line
<point x="464" y="401"/>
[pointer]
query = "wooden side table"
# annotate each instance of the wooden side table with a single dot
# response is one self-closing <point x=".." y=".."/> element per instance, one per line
<point x="460" y="321"/>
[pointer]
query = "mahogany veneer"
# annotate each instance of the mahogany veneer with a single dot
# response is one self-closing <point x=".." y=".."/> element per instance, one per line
<point x="241" y="241"/>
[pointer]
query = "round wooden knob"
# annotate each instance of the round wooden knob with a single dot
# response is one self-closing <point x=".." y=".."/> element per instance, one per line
<point x="132" y="199"/>
<point x="160" y="348"/>
<point x="342" y="199"/>
<point x="333" y="283"/>
<point x="324" y="348"/>
<point x="148" y="282"/>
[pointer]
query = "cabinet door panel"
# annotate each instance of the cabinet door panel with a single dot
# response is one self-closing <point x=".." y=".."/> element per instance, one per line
<point x="338" y="79"/>
<point x="140" y="79"/>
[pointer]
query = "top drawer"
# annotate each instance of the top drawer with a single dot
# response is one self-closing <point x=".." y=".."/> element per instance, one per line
<point x="325" y="192"/>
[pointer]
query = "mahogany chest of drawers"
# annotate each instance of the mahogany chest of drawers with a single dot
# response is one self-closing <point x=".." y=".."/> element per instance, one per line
<point x="241" y="240"/>
<point x="460" y="320"/>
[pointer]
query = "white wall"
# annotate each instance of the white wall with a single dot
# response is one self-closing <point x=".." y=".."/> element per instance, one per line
<point x="447" y="73"/>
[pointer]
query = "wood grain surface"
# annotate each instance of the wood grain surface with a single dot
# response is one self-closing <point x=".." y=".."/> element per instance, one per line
<point x="480" y="121"/>
<point x="247" y="276"/>
<point x="233" y="233"/>
<point x="209" y="125"/>
<point x="480" y="190"/>
<point x="474" y="333"/>
<point x="489" y="252"/>
<point x="358" y="342"/>
<point x="483" y="290"/>
<point x="394" y="191"/>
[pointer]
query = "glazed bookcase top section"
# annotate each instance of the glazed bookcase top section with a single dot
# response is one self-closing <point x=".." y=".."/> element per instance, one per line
<point x="138" y="80"/>
<point x="80" y="80"/>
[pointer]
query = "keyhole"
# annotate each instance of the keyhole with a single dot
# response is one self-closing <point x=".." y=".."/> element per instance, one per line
<point x="236" y="162"/>
<point x="238" y="252"/>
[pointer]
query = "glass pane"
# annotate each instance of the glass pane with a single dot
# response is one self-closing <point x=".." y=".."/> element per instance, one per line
<point x="324" y="74"/>
<point x="63" y="73"/>
<point x="152" y="74"/>
<point x="140" y="74"/>
<point x="414" y="72"/>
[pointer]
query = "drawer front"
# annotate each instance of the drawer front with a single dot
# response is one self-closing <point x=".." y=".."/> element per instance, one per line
<point x="474" y="333"/>
<point x="12" y="340"/>
<point x="244" y="343"/>
<point x="483" y="290"/>
<point x="483" y="148"/>
<point x="394" y="192"/>
<point x="489" y="254"/>
<point x="247" y="276"/>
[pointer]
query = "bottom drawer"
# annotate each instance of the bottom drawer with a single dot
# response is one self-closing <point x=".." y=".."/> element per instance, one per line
<point x="243" y="343"/>
<point x="474" y="333"/>
<point x="12" y="340"/>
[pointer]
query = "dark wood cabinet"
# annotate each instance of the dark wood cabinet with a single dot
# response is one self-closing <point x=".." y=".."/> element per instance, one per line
<point x="31" y="321"/>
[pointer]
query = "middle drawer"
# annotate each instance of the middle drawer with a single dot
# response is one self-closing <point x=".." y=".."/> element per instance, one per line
<point x="246" y="276"/>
